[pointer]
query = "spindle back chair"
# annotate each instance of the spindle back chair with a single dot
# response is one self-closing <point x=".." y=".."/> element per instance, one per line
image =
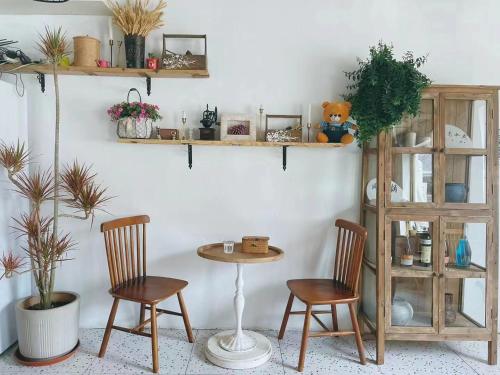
<point x="125" y="243"/>
<point x="342" y="288"/>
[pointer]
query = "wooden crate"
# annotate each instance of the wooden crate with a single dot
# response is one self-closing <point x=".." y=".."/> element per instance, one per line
<point x="255" y="244"/>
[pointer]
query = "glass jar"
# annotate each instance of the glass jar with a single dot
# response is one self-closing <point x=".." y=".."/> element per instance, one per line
<point x="463" y="253"/>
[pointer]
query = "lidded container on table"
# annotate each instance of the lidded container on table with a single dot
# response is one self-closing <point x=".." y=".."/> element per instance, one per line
<point x="255" y="244"/>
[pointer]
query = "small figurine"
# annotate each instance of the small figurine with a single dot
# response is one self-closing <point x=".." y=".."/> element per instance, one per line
<point x="335" y="125"/>
<point x="209" y="119"/>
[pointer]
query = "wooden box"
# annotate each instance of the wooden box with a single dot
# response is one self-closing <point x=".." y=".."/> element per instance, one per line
<point x="255" y="244"/>
<point x="169" y="134"/>
<point x="186" y="59"/>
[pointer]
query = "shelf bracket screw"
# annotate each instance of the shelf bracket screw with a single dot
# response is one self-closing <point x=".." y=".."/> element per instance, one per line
<point x="41" y="80"/>
<point x="148" y="85"/>
<point x="190" y="156"/>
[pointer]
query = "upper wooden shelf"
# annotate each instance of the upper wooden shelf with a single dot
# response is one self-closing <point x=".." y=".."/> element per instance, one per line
<point x="230" y="143"/>
<point x="107" y="72"/>
<point x="70" y="8"/>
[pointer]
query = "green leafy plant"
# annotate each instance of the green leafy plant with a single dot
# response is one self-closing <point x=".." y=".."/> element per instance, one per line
<point x="46" y="246"/>
<point x="384" y="89"/>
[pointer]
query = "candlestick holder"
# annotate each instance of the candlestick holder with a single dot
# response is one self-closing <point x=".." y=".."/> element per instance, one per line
<point x="120" y="42"/>
<point x="308" y="131"/>
<point x="261" y="111"/>
<point x="111" y="42"/>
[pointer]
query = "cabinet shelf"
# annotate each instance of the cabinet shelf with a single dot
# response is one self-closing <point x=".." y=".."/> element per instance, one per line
<point x="473" y="271"/>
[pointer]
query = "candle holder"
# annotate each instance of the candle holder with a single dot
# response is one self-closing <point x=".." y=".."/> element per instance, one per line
<point x="261" y="111"/>
<point x="120" y="42"/>
<point x="308" y="131"/>
<point x="111" y="42"/>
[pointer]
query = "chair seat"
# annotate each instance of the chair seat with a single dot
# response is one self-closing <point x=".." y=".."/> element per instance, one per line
<point x="149" y="289"/>
<point x="320" y="291"/>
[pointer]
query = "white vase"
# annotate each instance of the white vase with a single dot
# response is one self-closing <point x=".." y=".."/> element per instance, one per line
<point x="401" y="312"/>
<point x="44" y="334"/>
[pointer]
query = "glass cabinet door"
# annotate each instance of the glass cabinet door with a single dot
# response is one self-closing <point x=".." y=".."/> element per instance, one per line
<point x="465" y="122"/>
<point x="465" y="244"/>
<point x="413" y="159"/>
<point x="411" y="265"/>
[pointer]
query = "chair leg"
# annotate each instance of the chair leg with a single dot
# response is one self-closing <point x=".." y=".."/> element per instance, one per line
<point x="357" y="334"/>
<point x="285" y="317"/>
<point x="142" y="316"/>
<point x="107" y="333"/>
<point x="305" y="335"/>
<point x="185" y="317"/>
<point x="334" y="318"/>
<point x="154" y="338"/>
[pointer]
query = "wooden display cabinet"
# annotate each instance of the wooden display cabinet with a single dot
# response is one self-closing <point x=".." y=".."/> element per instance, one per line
<point x="434" y="177"/>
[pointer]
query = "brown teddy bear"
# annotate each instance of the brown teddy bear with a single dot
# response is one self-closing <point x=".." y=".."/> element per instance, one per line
<point x="335" y="127"/>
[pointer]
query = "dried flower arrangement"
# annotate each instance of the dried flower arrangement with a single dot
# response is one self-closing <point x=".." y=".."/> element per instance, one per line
<point x="135" y="18"/>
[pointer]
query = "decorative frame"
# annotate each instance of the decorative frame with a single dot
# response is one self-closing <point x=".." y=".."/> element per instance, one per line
<point x="229" y="121"/>
<point x="284" y="135"/>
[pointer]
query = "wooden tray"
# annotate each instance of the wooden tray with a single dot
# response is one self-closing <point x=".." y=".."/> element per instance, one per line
<point x="215" y="252"/>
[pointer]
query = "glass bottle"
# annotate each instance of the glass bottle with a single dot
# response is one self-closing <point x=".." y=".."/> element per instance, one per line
<point x="450" y="313"/>
<point x="425" y="249"/>
<point x="407" y="255"/>
<point x="463" y="253"/>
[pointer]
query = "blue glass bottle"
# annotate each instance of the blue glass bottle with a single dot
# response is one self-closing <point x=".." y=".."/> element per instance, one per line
<point x="463" y="254"/>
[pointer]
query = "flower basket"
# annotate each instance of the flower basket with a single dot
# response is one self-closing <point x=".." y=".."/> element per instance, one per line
<point x="134" y="119"/>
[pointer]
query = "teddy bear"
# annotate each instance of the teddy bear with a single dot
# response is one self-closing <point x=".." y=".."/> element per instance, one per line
<point x="335" y="126"/>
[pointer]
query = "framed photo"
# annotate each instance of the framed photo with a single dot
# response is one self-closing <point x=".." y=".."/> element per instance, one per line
<point x="284" y="128"/>
<point x="234" y="127"/>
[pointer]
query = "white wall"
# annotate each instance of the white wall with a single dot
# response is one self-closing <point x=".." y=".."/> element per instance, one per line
<point x="283" y="54"/>
<point x="13" y="126"/>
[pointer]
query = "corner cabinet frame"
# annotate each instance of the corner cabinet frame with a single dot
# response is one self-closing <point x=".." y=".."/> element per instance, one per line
<point x="445" y="297"/>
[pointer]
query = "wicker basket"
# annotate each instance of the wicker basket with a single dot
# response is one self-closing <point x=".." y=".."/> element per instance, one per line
<point x="255" y="245"/>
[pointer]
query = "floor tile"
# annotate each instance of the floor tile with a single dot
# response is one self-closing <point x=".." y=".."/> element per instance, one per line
<point x="200" y="365"/>
<point x="414" y="358"/>
<point x="475" y="354"/>
<point x="78" y="364"/>
<point x="326" y="355"/>
<point x="131" y="354"/>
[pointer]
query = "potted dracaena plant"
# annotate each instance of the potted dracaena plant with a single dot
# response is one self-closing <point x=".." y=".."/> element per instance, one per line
<point x="47" y="324"/>
<point x="136" y="21"/>
<point x="384" y="89"/>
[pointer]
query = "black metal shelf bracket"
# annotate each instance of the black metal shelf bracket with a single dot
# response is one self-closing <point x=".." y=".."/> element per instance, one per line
<point x="190" y="156"/>
<point x="284" y="157"/>
<point x="148" y="85"/>
<point x="41" y="80"/>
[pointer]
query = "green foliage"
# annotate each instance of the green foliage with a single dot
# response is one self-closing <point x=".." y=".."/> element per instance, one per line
<point x="384" y="90"/>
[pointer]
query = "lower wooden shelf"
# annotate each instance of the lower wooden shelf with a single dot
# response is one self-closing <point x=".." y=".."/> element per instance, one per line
<point x="231" y="143"/>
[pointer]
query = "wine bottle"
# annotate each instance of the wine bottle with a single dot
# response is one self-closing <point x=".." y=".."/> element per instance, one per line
<point x="425" y="250"/>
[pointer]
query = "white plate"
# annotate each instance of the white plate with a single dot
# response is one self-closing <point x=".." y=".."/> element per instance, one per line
<point x="456" y="137"/>
<point x="396" y="191"/>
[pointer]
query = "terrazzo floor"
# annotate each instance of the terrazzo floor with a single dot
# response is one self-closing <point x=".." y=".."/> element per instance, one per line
<point x="129" y="354"/>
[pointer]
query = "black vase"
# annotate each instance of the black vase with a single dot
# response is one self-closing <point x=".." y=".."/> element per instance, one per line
<point x="134" y="51"/>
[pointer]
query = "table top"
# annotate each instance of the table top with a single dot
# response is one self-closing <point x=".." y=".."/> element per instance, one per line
<point x="215" y="251"/>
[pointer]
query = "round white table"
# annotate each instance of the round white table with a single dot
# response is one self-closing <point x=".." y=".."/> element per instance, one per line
<point x="238" y="349"/>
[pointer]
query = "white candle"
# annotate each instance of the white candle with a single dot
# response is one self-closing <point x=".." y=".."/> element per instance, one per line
<point x="110" y="28"/>
<point x="309" y="115"/>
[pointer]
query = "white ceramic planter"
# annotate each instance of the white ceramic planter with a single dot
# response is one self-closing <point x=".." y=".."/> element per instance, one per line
<point x="44" y="334"/>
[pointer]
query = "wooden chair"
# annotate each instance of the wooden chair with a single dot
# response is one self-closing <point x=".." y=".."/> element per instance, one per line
<point x="125" y="241"/>
<point x="342" y="289"/>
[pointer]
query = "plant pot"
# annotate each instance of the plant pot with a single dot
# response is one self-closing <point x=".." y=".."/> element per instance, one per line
<point x="134" y="51"/>
<point x="130" y="127"/>
<point x="455" y="192"/>
<point x="44" y="334"/>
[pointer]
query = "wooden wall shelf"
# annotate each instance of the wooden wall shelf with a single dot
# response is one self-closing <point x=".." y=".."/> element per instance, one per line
<point x="192" y="142"/>
<point x="231" y="143"/>
<point x="42" y="69"/>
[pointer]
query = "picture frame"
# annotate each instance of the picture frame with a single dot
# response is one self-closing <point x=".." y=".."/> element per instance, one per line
<point x="238" y="127"/>
<point x="290" y="133"/>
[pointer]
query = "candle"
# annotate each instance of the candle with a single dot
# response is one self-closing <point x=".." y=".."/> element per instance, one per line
<point x="110" y="28"/>
<point x="309" y="115"/>
<point x="184" y="116"/>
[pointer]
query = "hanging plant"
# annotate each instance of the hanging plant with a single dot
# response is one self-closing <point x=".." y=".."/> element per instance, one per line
<point x="384" y="89"/>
